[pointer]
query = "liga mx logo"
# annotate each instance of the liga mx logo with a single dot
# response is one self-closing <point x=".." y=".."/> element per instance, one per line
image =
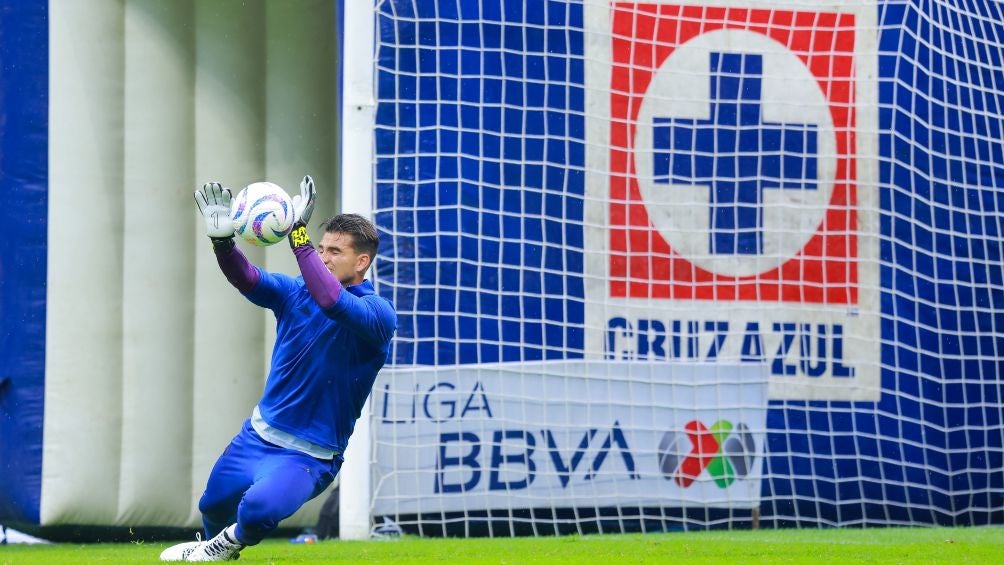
<point x="733" y="160"/>
<point x="725" y="451"/>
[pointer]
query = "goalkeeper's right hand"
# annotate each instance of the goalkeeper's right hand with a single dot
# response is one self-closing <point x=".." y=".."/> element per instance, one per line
<point x="213" y="201"/>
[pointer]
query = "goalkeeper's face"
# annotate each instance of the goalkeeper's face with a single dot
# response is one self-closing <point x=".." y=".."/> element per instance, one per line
<point x="340" y="257"/>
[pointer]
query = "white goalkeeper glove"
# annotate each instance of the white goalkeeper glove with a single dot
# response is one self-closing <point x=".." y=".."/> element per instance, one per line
<point x="303" y="203"/>
<point x="303" y="207"/>
<point x="213" y="201"/>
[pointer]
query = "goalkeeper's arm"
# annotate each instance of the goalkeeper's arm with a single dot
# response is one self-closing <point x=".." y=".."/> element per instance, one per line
<point x="236" y="267"/>
<point x="324" y="288"/>
<point x="213" y="201"/>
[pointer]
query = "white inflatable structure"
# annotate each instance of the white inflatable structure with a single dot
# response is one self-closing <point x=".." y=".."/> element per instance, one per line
<point x="152" y="359"/>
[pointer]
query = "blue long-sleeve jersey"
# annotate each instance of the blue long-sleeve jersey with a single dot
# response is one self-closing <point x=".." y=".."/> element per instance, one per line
<point x="324" y="361"/>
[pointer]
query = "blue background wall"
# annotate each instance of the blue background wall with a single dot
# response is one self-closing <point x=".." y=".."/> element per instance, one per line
<point x="479" y="146"/>
<point x="933" y="445"/>
<point x="24" y="147"/>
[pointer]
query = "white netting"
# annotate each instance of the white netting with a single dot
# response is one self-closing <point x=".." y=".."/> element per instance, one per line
<point x="662" y="265"/>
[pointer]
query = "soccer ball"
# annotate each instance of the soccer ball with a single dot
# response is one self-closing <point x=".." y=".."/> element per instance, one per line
<point x="262" y="214"/>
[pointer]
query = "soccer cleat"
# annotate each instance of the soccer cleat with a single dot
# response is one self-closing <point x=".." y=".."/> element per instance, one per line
<point x="220" y="548"/>
<point x="181" y="551"/>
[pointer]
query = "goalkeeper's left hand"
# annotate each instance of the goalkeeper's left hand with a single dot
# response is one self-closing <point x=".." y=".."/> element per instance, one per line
<point x="303" y="207"/>
<point x="213" y="201"/>
<point x="303" y="203"/>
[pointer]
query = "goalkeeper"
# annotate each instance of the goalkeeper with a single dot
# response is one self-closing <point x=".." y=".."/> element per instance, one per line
<point x="333" y="334"/>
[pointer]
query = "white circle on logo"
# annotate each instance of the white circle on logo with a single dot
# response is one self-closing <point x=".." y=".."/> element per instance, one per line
<point x="788" y="215"/>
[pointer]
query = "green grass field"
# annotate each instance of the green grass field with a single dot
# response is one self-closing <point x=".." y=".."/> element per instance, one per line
<point x="884" y="545"/>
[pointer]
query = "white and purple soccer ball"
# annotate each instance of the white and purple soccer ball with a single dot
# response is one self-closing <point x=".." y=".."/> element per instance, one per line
<point x="262" y="214"/>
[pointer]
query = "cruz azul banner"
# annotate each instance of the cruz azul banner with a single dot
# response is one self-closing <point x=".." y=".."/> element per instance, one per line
<point x="736" y="191"/>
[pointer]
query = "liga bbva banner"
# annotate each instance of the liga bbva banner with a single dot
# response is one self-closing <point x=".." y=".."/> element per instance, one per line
<point x="566" y="434"/>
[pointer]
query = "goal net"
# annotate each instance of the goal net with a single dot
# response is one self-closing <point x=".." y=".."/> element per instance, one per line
<point x="668" y="265"/>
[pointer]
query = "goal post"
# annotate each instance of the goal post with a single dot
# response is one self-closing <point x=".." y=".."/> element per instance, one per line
<point x="664" y="265"/>
<point x="355" y="24"/>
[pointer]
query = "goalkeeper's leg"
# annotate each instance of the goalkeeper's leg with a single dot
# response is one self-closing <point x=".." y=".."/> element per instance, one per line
<point x="231" y="476"/>
<point x="256" y="484"/>
<point x="284" y="482"/>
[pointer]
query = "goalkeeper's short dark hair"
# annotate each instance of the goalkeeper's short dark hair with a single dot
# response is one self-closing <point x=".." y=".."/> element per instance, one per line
<point x="364" y="234"/>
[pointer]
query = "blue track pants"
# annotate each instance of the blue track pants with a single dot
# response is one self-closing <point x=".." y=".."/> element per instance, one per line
<point x="257" y="484"/>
